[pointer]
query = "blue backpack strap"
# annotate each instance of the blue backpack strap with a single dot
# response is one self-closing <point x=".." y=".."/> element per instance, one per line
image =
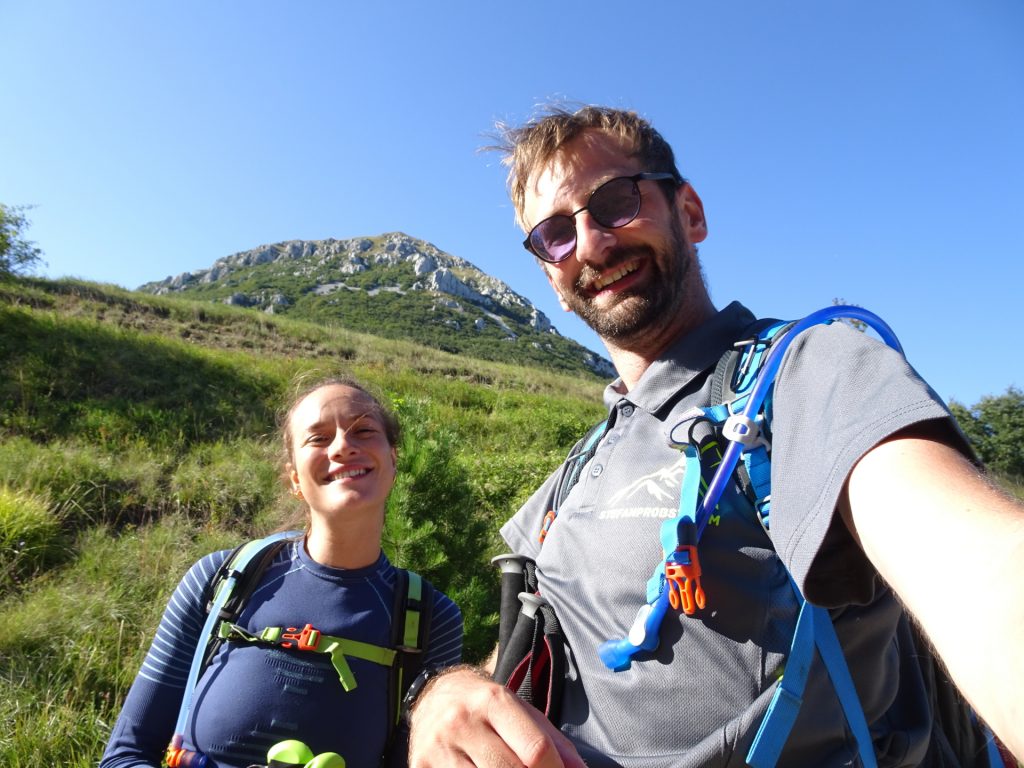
<point x="231" y="575"/>
<point x="814" y="629"/>
<point x="744" y="423"/>
<point x="733" y="382"/>
<point x="995" y="757"/>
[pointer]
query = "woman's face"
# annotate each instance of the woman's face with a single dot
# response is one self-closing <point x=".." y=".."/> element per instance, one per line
<point x="342" y="463"/>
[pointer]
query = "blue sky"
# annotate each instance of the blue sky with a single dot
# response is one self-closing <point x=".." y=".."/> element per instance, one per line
<point x="868" y="150"/>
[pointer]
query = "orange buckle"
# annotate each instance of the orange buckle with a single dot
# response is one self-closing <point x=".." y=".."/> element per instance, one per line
<point x="684" y="589"/>
<point x="306" y="640"/>
<point x="549" y="518"/>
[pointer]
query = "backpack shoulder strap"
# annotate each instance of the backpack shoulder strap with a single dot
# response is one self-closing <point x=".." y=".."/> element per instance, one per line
<point x="571" y="469"/>
<point x="731" y="384"/>
<point x="249" y="567"/>
<point x="738" y="366"/>
<point x="580" y="454"/>
<point x="411" y="617"/>
<point x="245" y="566"/>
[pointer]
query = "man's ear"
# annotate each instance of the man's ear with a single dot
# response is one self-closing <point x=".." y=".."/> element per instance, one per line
<point x="691" y="211"/>
<point x="561" y="301"/>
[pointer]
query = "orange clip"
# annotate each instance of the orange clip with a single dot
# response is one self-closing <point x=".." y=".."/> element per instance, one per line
<point x="684" y="589"/>
<point x="306" y="640"/>
<point x="549" y="518"/>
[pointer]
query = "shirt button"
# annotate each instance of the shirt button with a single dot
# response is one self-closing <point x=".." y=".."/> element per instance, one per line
<point x="612" y="439"/>
<point x="597" y="470"/>
<point x="627" y="410"/>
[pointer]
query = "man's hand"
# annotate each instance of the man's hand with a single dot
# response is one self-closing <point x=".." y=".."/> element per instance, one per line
<point x="463" y="718"/>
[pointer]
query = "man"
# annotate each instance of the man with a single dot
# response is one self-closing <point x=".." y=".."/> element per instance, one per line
<point x="869" y="479"/>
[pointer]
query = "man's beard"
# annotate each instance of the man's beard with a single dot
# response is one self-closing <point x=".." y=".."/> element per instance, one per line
<point x="634" y="315"/>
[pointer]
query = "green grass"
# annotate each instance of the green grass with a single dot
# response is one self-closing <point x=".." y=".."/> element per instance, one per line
<point x="137" y="434"/>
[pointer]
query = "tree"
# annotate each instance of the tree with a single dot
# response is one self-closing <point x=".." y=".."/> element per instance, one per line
<point x="995" y="427"/>
<point x="17" y="255"/>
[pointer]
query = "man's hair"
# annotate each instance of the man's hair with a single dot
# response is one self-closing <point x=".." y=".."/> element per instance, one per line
<point x="532" y="145"/>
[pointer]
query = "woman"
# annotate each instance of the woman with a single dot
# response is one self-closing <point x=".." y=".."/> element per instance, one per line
<point x="340" y="460"/>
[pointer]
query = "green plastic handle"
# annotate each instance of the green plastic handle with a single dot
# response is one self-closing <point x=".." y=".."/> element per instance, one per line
<point x="327" y="760"/>
<point x="289" y="754"/>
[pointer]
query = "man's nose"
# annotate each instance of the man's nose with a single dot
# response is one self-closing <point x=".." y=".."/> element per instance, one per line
<point x="593" y="241"/>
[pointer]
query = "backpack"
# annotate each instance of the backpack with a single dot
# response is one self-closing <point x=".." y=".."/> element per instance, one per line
<point x="532" y="647"/>
<point x="228" y="592"/>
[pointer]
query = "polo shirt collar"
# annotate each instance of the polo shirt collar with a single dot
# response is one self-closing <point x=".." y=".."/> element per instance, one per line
<point x="683" y="361"/>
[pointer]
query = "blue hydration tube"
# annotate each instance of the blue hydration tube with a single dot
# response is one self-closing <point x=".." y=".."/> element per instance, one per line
<point x="764" y="382"/>
<point x="644" y="634"/>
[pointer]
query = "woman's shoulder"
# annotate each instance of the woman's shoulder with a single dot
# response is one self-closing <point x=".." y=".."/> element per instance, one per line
<point x="202" y="574"/>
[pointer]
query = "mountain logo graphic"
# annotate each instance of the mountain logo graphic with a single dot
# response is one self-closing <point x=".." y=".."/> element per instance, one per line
<point x="661" y="486"/>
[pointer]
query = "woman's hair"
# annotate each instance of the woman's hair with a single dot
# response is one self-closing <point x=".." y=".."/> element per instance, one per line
<point x="303" y="388"/>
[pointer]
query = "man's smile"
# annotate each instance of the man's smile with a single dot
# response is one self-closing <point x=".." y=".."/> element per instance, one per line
<point x="613" y="276"/>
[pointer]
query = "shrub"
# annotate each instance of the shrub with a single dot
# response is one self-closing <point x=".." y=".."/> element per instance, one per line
<point x="30" y="536"/>
<point x="433" y="525"/>
<point x="88" y="484"/>
<point x="227" y="482"/>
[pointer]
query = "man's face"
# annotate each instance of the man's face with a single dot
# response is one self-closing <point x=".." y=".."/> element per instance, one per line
<point x="626" y="283"/>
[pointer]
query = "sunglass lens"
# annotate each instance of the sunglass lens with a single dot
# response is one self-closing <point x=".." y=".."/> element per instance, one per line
<point x="553" y="239"/>
<point x="616" y="203"/>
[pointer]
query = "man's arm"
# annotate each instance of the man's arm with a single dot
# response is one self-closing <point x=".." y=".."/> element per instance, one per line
<point x="952" y="547"/>
<point x="464" y="718"/>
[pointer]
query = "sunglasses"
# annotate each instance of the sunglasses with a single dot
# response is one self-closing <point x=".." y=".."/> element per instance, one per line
<point x="612" y="205"/>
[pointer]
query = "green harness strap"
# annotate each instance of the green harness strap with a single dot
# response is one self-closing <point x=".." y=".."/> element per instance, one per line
<point x="411" y="638"/>
<point x="310" y="639"/>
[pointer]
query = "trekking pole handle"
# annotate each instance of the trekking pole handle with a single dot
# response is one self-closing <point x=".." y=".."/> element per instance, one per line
<point x="513" y="581"/>
<point x="531" y="603"/>
<point x="509" y="563"/>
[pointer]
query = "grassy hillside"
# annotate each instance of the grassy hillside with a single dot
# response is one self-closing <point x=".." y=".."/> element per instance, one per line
<point x="136" y="434"/>
<point x="378" y="285"/>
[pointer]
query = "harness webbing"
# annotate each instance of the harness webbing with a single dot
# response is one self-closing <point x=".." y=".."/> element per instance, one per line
<point x="814" y="630"/>
<point x="234" y="583"/>
<point x="310" y="639"/>
<point x="676" y="581"/>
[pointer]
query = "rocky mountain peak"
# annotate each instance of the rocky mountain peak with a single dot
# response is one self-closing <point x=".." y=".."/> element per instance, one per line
<point x="308" y="277"/>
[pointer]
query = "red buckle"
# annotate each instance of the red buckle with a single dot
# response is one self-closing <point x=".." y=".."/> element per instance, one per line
<point x="306" y="640"/>
<point x="684" y="589"/>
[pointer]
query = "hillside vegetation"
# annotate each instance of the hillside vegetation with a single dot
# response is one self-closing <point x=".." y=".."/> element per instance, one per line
<point x="390" y="285"/>
<point x="137" y="434"/>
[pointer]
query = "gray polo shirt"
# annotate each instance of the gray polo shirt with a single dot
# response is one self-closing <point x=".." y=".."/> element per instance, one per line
<point x="698" y="699"/>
